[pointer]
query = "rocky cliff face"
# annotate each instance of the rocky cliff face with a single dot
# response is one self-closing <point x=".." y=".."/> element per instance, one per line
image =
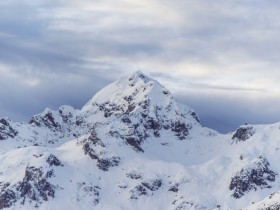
<point x="256" y="175"/>
<point x="132" y="146"/>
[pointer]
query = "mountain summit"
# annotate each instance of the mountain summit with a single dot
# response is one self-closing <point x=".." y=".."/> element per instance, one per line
<point x="143" y="106"/>
<point x="131" y="146"/>
<point x="138" y="95"/>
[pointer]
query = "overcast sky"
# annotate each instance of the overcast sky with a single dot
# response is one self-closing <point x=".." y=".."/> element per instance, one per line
<point x="221" y="57"/>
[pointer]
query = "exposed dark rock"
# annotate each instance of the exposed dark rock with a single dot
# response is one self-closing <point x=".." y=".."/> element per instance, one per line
<point x="154" y="125"/>
<point x="139" y="190"/>
<point x="4" y="122"/>
<point x="46" y="120"/>
<point x="275" y="206"/>
<point x="6" y="130"/>
<point x="195" y="116"/>
<point x="153" y="185"/>
<point x="79" y="120"/>
<point x="145" y="188"/>
<point x="90" y="143"/>
<point x="34" y="121"/>
<point x="35" y="185"/>
<point x="123" y="186"/>
<point x="243" y="133"/>
<point x="66" y="116"/>
<point x="134" y="175"/>
<point x="105" y="164"/>
<point x="128" y="98"/>
<point x="174" y="188"/>
<point x="126" y="120"/>
<point x="145" y="106"/>
<point x="110" y="109"/>
<point x="90" y="191"/>
<point x="181" y="130"/>
<point x="94" y="140"/>
<point x="256" y="175"/>
<point x="34" y="188"/>
<point x="49" y="120"/>
<point x="189" y="205"/>
<point x="89" y="149"/>
<point x="135" y="143"/>
<point x="7" y="198"/>
<point x="143" y="77"/>
<point x="54" y="161"/>
<point x="130" y="108"/>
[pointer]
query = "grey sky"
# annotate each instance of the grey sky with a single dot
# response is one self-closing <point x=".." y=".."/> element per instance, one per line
<point x="220" y="57"/>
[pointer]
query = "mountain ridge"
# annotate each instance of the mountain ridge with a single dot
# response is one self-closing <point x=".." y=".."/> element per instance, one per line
<point x="130" y="146"/>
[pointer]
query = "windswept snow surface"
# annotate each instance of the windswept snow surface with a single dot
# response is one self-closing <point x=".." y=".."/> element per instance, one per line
<point x="132" y="146"/>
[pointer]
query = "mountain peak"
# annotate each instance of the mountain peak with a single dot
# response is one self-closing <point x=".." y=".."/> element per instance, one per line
<point x="137" y="107"/>
<point x="135" y="80"/>
<point x="139" y="75"/>
<point x="129" y="147"/>
<point x="135" y="87"/>
<point x="137" y="93"/>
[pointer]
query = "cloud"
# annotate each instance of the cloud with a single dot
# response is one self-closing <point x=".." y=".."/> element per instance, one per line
<point x="57" y="52"/>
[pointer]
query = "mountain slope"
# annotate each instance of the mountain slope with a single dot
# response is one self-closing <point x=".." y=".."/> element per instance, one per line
<point x="131" y="146"/>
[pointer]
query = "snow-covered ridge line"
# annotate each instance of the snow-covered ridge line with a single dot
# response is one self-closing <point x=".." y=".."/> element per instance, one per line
<point x="137" y="101"/>
<point x="132" y="146"/>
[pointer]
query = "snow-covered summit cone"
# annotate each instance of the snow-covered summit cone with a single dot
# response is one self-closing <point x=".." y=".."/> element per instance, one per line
<point x="138" y="94"/>
<point x="142" y="108"/>
<point x="135" y="93"/>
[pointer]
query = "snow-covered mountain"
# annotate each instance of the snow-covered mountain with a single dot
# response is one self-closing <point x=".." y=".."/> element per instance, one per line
<point x="132" y="146"/>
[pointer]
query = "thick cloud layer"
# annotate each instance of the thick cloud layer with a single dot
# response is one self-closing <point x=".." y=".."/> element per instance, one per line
<point x="220" y="57"/>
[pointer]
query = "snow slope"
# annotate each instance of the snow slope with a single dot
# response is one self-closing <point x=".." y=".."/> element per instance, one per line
<point x="132" y="146"/>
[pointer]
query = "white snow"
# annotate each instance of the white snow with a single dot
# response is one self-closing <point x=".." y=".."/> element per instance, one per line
<point x="201" y="166"/>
